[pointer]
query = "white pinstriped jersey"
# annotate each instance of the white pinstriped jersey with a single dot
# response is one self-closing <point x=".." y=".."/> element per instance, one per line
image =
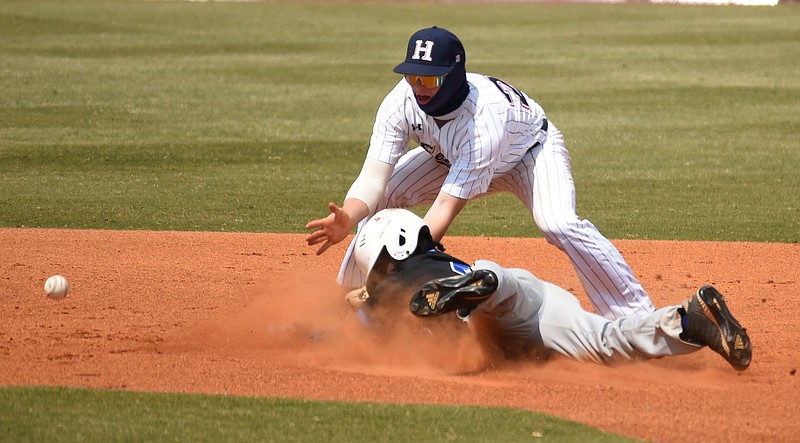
<point x="487" y="137"/>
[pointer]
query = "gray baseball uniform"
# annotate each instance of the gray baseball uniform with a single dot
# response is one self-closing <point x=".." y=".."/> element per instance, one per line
<point x="513" y="311"/>
<point x="530" y="315"/>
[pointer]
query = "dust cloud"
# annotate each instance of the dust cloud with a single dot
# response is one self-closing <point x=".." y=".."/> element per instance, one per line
<point x="306" y="322"/>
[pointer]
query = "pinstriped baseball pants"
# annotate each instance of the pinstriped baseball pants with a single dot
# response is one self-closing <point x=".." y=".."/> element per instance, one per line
<point x="542" y="180"/>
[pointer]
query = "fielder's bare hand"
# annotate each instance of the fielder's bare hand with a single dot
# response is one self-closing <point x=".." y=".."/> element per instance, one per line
<point x="332" y="229"/>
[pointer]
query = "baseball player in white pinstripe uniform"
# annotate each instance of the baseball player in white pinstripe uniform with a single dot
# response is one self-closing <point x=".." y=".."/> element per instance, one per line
<point x="476" y="135"/>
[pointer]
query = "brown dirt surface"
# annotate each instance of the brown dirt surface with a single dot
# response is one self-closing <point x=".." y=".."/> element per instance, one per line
<point x="260" y="315"/>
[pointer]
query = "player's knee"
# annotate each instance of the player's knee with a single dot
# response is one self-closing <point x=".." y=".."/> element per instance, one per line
<point x="563" y="232"/>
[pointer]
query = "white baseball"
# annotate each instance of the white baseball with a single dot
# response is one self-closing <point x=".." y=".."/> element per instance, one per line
<point x="56" y="286"/>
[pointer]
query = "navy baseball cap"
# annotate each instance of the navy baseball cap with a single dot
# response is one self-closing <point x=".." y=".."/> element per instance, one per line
<point x="432" y="51"/>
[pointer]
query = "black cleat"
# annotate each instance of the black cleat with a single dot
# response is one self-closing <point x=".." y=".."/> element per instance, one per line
<point x="710" y="323"/>
<point x="452" y="293"/>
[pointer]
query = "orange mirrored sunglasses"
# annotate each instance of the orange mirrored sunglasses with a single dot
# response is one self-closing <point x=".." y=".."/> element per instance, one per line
<point x="428" y="81"/>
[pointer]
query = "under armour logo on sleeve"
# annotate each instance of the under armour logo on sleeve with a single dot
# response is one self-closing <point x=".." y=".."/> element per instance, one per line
<point x="425" y="51"/>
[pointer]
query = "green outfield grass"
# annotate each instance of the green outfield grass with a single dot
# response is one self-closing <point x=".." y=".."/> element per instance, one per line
<point x="683" y="123"/>
<point x="87" y="416"/>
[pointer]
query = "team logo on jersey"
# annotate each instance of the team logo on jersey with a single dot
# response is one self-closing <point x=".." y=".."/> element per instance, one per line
<point x="423" y="52"/>
<point x="416" y="126"/>
<point x="438" y="157"/>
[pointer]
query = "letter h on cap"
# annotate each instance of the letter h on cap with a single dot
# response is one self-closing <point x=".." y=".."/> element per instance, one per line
<point x="426" y="51"/>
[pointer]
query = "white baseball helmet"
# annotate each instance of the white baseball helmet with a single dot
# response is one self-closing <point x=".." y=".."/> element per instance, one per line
<point x="395" y="229"/>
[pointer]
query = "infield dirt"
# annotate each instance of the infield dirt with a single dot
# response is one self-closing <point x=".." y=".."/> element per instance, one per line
<point x="260" y="315"/>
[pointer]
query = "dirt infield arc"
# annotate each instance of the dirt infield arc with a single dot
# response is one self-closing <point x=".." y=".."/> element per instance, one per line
<point x="259" y="314"/>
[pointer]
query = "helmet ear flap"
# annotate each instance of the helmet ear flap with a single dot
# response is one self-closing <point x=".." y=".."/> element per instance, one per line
<point x="425" y="240"/>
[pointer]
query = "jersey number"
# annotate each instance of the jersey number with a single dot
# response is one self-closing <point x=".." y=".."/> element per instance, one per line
<point x="507" y="90"/>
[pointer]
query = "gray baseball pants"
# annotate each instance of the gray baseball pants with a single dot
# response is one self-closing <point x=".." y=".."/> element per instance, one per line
<point x="528" y="315"/>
